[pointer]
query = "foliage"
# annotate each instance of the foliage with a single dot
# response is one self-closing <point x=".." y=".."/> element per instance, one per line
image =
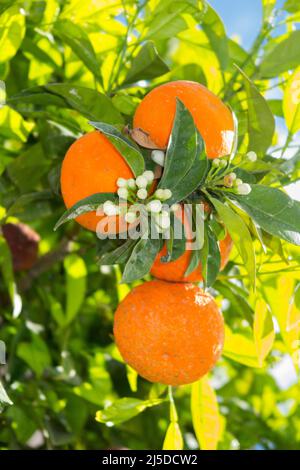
<point x="68" y="63"/>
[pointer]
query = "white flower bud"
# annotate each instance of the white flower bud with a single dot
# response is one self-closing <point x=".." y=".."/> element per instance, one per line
<point x="232" y="176"/>
<point x="142" y="193"/>
<point x="216" y="163"/>
<point x="109" y="208"/>
<point x="238" y="181"/>
<point x="149" y="175"/>
<point x="141" y="181"/>
<point x="244" y="189"/>
<point x="167" y="194"/>
<point x="223" y="163"/>
<point x="130" y="217"/>
<point x="159" y="193"/>
<point x="122" y="193"/>
<point x="158" y="157"/>
<point x="175" y="207"/>
<point x="154" y="206"/>
<point x="131" y="183"/>
<point x="121" y="183"/>
<point x="252" y="157"/>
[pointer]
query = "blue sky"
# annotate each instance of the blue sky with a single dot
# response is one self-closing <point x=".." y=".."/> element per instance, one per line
<point x="240" y="17"/>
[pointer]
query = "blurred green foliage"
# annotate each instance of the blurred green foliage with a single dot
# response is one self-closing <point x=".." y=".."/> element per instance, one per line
<point x="64" y="63"/>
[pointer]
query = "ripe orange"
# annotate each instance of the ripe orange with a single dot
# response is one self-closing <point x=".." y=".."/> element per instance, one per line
<point x="174" y="270"/>
<point x="91" y="165"/>
<point x="155" y="115"/>
<point x="169" y="333"/>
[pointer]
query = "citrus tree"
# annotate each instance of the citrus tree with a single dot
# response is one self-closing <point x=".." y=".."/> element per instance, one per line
<point x="181" y="115"/>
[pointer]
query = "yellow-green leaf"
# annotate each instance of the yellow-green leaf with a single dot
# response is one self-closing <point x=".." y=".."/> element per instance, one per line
<point x="205" y="414"/>
<point x="291" y="102"/>
<point x="263" y="329"/>
<point x="241" y="349"/>
<point x="173" y="439"/>
<point x="76" y="273"/>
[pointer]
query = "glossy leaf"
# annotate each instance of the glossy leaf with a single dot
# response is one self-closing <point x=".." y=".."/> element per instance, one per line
<point x="126" y="147"/>
<point x="194" y="177"/>
<point x="146" y="65"/>
<point x="141" y="259"/>
<point x="240" y="235"/>
<point x="88" y="204"/>
<point x="274" y="211"/>
<point x="119" y="255"/>
<point x="12" y="31"/>
<point x="124" y="409"/>
<point x="205" y="415"/>
<point x="181" y="150"/>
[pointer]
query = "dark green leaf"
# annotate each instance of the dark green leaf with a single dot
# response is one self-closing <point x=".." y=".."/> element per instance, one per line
<point x="274" y="211"/>
<point x="261" y="123"/>
<point x="283" y="57"/>
<point x="88" y="204"/>
<point x="146" y="65"/>
<point x="213" y="259"/>
<point x="182" y="147"/>
<point x="237" y="299"/>
<point x="141" y="258"/>
<point x="119" y="255"/>
<point x="194" y="177"/>
<point x="177" y="244"/>
<point x="126" y="147"/>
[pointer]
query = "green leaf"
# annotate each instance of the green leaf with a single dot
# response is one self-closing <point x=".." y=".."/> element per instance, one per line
<point x="173" y="439"/>
<point x="119" y="255"/>
<point x="237" y="298"/>
<point x="141" y="259"/>
<point x="276" y="107"/>
<point x="240" y="235"/>
<point x="273" y="210"/>
<point x="77" y="39"/>
<point x="124" y="409"/>
<point x="20" y="170"/>
<point x="35" y="354"/>
<point x="291" y="103"/>
<point x="175" y="245"/>
<point x="76" y="273"/>
<point x="88" y="204"/>
<point x="205" y="415"/>
<point x="240" y="349"/>
<point x="146" y="65"/>
<point x="4" y="398"/>
<point x="263" y="330"/>
<point x="261" y="123"/>
<point x="292" y="6"/>
<point x="213" y="259"/>
<point x="215" y="31"/>
<point x="194" y="177"/>
<point x="182" y="148"/>
<point x="268" y="7"/>
<point x="192" y="71"/>
<point x="283" y="57"/>
<point x="126" y="147"/>
<point x="12" y="32"/>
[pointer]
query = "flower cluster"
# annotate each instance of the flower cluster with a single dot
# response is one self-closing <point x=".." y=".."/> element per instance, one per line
<point x="133" y="192"/>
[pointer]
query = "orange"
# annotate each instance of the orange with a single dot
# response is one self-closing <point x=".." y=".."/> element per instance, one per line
<point x="155" y="115"/>
<point x="174" y="270"/>
<point x="169" y="333"/>
<point x="91" y="165"/>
